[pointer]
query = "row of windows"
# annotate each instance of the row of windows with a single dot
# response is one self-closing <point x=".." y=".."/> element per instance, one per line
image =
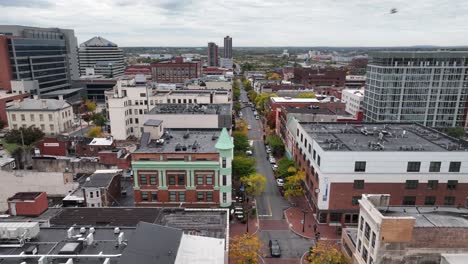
<point x="176" y="196"/>
<point x="365" y="227"/>
<point x="428" y="200"/>
<point x="414" y="166"/>
<point x="179" y="179"/>
<point x="413" y="184"/>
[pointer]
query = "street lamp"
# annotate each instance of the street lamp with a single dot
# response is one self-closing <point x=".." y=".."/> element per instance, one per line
<point x="303" y="220"/>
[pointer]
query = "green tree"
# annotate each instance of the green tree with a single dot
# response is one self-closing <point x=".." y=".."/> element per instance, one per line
<point x="99" y="119"/>
<point x="242" y="166"/>
<point x="306" y="95"/>
<point x="31" y="135"/>
<point x="284" y="164"/>
<point x="276" y="144"/>
<point x="262" y="99"/>
<point x="456" y="132"/>
<point x="247" y="84"/>
<point x="241" y="142"/>
<point x="237" y="107"/>
<point x="252" y="95"/>
<point x="292" y="185"/>
<point x="254" y="184"/>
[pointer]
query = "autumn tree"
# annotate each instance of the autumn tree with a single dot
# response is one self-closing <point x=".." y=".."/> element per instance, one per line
<point x="273" y="76"/>
<point x="246" y="248"/>
<point x="306" y="95"/>
<point x="255" y="184"/>
<point x="252" y="95"/>
<point x="325" y="253"/>
<point x="241" y="127"/>
<point x="271" y="119"/>
<point x="293" y="184"/>
<point x="284" y="166"/>
<point x="95" y="132"/>
<point x="90" y="105"/>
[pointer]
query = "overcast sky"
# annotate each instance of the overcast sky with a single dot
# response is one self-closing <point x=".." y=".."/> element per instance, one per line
<point x="250" y="22"/>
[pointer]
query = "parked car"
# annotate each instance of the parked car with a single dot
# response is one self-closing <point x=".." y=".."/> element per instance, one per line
<point x="249" y="127"/>
<point x="280" y="182"/>
<point x="274" y="167"/>
<point x="275" y="249"/>
<point x="272" y="160"/>
<point x="248" y="153"/>
<point x="257" y="117"/>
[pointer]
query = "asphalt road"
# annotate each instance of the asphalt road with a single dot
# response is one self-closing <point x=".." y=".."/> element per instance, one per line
<point x="270" y="204"/>
<point x="292" y="246"/>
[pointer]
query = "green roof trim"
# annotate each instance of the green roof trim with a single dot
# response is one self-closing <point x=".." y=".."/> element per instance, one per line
<point x="224" y="141"/>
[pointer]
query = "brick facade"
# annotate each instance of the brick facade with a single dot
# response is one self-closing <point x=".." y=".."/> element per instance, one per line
<point x="175" y="71"/>
<point x="313" y="77"/>
<point x="28" y="204"/>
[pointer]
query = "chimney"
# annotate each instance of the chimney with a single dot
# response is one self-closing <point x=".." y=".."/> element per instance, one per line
<point x="44" y="104"/>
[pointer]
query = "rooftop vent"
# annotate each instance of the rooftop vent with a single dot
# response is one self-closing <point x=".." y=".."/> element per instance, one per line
<point x="187" y="134"/>
<point x="214" y="137"/>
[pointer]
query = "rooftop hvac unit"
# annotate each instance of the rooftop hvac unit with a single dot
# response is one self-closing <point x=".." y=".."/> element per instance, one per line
<point x="25" y="230"/>
<point x="106" y="261"/>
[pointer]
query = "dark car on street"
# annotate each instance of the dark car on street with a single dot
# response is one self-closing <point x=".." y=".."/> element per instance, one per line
<point x="275" y="249"/>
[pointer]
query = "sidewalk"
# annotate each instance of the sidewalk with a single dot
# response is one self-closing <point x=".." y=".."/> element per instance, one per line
<point x="294" y="217"/>
<point x="237" y="228"/>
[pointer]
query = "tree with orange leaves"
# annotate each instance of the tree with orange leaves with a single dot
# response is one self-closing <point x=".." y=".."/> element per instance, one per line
<point x="246" y="248"/>
<point x="325" y="253"/>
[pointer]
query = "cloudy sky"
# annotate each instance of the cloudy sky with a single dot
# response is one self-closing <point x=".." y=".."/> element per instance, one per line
<point x="250" y="22"/>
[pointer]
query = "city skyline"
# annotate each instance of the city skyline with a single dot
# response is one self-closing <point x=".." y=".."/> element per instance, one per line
<point x="186" y="23"/>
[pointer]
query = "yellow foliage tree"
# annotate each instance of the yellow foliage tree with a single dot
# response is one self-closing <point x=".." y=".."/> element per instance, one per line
<point x="241" y="127"/>
<point x="273" y="76"/>
<point x="326" y="253"/>
<point x="90" y="105"/>
<point x="246" y="248"/>
<point x="292" y="185"/>
<point x="95" y="132"/>
<point x="306" y="95"/>
<point x="255" y="184"/>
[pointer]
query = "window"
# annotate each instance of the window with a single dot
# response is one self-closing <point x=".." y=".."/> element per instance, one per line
<point x="41" y="117"/>
<point x="297" y="132"/>
<point x="359" y="245"/>
<point x="367" y="231"/>
<point x="91" y="195"/>
<point x="154" y="196"/>
<point x="358" y="184"/>
<point x="318" y="160"/>
<point x="223" y="162"/>
<point x="50" y="117"/>
<point x="452" y="185"/>
<point x="373" y="239"/>
<point x="143" y="180"/>
<point x="172" y="179"/>
<point x="181" y="179"/>
<point x="412" y="184"/>
<point x="430" y="200"/>
<point x="364" y="254"/>
<point x="362" y="223"/>
<point x="97" y="193"/>
<point x="144" y="196"/>
<point x="51" y="127"/>
<point x="455" y="166"/>
<point x="23" y="118"/>
<point x="32" y="117"/>
<point x="152" y="179"/>
<point x="413" y="166"/>
<point x="200" y="179"/>
<point x="209" y="179"/>
<point x="142" y="94"/>
<point x="13" y="117"/>
<point x="172" y="197"/>
<point x="432" y="184"/>
<point x="224" y="197"/>
<point x="181" y="196"/>
<point x="434" y="166"/>
<point x="200" y="197"/>
<point x="209" y="196"/>
<point x="355" y="200"/>
<point x="136" y="121"/>
<point x="224" y="180"/>
<point x="314" y="153"/>
<point x="360" y="166"/>
<point x="409" y="200"/>
<point x="449" y="200"/>
<point x="42" y="127"/>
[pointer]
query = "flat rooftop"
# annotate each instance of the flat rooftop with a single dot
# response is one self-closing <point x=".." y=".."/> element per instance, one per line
<point x="192" y="91"/>
<point x="196" y="109"/>
<point x="210" y="223"/>
<point x="381" y="137"/>
<point x="181" y="141"/>
<point x="430" y="216"/>
<point x="308" y="110"/>
<point x="23" y="196"/>
<point x="51" y="240"/>
<point x="318" y="99"/>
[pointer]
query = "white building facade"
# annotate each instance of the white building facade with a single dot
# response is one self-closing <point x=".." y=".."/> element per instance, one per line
<point x="49" y="115"/>
<point x="353" y="99"/>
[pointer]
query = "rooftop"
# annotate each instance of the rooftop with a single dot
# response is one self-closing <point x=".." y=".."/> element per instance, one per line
<point x="39" y="105"/>
<point x="107" y="141"/>
<point x="300" y="100"/>
<point x="101" y="178"/>
<point x="308" y="110"/>
<point x="152" y="122"/>
<point x="181" y="141"/>
<point x="209" y="222"/>
<point x="24" y="196"/>
<point x="433" y="216"/>
<point x="381" y="137"/>
<point x="98" y="42"/>
<point x="209" y="109"/>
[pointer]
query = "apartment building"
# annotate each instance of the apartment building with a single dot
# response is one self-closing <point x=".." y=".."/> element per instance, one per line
<point x="315" y="77"/>
<point x="49" y="115"/>
<point x="427" y="87"/>
<point x="175" y="71"/>
<point x="353" y="99"/>
<point x="102" y="188"/>
<point x="212" y="54"/>
<point x="188" y="168"/>
<point x="133" y="98"/>
<point x="406" y="234"/>
<point x="416" y="165"/>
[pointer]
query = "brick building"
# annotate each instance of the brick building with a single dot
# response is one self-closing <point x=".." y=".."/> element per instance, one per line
<point x="118" y="157"/>
<point x="190" y="168"/>
<point x="52" y="146"/>
<point x="313" y="77"/>
<point x="92" y="146"/>
<point x="28" y="203"/>
<point x="135" y="69"/>
<point x="175" y="71"/>
<point x="103" y="188"/>
<point x="398" y="235"/>
<point x="414" y="164"/>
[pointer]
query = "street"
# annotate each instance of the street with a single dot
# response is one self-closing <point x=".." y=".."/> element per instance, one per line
<point x="271" y="205"/>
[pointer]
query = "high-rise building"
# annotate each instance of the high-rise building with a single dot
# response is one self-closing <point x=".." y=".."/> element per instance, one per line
<point x="99" y="56"/>
<point x="67" y="35"/>
<point x="427" y="87"/>
<point x="212" y="54"/>
<point x="228" y="47"/>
